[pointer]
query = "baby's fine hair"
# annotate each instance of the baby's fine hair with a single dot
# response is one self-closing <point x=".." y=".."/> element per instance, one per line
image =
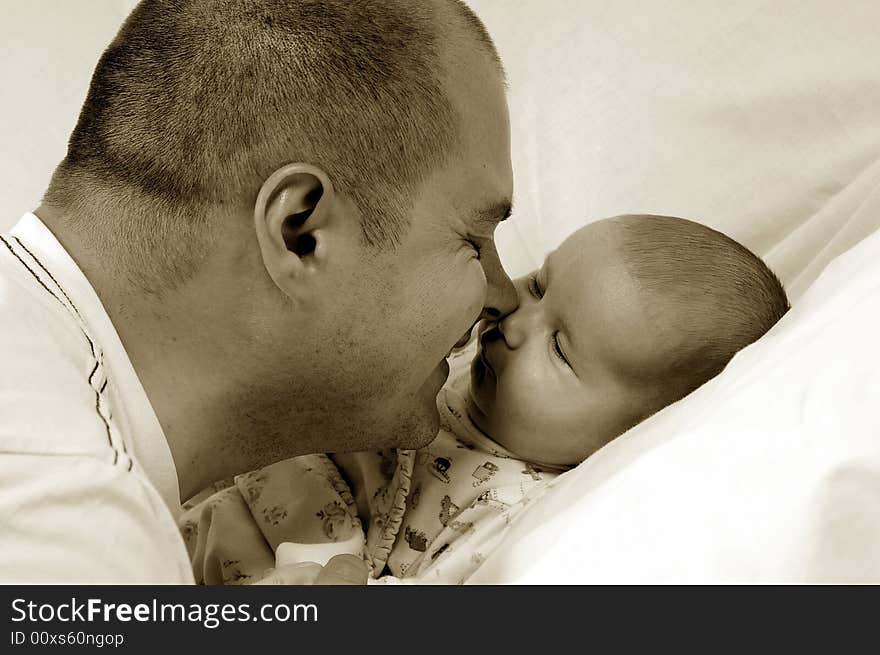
<point x="709" y="295"/>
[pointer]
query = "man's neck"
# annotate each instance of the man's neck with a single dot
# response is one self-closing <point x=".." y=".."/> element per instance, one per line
<point x="168" y="354"/>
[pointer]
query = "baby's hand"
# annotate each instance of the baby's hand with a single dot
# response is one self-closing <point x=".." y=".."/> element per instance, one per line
<point x="340" y="570"/>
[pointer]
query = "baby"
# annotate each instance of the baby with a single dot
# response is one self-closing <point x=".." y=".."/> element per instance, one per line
<point x="627" y="316"/>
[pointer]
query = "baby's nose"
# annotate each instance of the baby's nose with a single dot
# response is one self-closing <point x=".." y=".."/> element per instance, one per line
<point x="515" y="326"/>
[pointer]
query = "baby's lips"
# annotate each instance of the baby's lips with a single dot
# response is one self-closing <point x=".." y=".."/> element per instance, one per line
<point x="466" y="337"/>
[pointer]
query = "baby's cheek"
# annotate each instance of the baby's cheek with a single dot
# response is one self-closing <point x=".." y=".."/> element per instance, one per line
<point x="523" y="404"/>
<point x="522" y="432"/>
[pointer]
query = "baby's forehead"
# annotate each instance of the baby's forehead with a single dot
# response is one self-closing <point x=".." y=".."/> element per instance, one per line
<point x="602" y="235"/>
<point x="588" y="255"/>
<point x="591" y="284"/>
<point x="609" y="316"/>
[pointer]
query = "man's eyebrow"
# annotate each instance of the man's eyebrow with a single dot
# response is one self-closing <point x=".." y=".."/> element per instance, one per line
<point x="489" y="217"/>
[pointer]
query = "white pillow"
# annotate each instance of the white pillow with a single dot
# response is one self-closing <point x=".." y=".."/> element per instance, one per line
<point x="768" y="473"/>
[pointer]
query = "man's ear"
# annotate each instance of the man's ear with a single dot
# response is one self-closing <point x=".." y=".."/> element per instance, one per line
<point x="295" y="209"/>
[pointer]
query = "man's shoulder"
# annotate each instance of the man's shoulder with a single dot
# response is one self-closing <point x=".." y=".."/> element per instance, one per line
<point x="74" y="519"/>
<point x="30" y="312"/>
<point x="47" y="399"/>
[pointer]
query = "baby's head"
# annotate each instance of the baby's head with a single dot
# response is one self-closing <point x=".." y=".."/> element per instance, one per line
<point x="628" y="315"/>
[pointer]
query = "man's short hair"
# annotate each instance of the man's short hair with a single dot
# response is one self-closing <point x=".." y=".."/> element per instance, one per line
<point x="196" y="102"/>
<point x="707" y="294"/>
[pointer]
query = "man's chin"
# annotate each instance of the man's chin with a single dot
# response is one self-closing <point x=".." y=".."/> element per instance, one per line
<point x="417" y="429"/>
<point x="413" y="428"/>
<point x="420" y="439"/>
<point x="400" y="422"/>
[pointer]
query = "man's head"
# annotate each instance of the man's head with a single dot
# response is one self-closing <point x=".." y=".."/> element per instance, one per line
<point x="307" y="185"/>
<point x="196" y="103"/>
<point x="629" y="315"/>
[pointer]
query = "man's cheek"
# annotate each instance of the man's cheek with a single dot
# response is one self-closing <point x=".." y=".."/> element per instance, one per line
<point x="458" y="301"/>
<point x="472" y="291"/>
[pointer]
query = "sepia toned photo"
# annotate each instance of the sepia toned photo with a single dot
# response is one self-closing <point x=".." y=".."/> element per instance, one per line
<point x="439" y="292"/>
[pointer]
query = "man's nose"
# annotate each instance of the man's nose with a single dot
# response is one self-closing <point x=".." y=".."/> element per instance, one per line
<point x="501" y="297"/>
